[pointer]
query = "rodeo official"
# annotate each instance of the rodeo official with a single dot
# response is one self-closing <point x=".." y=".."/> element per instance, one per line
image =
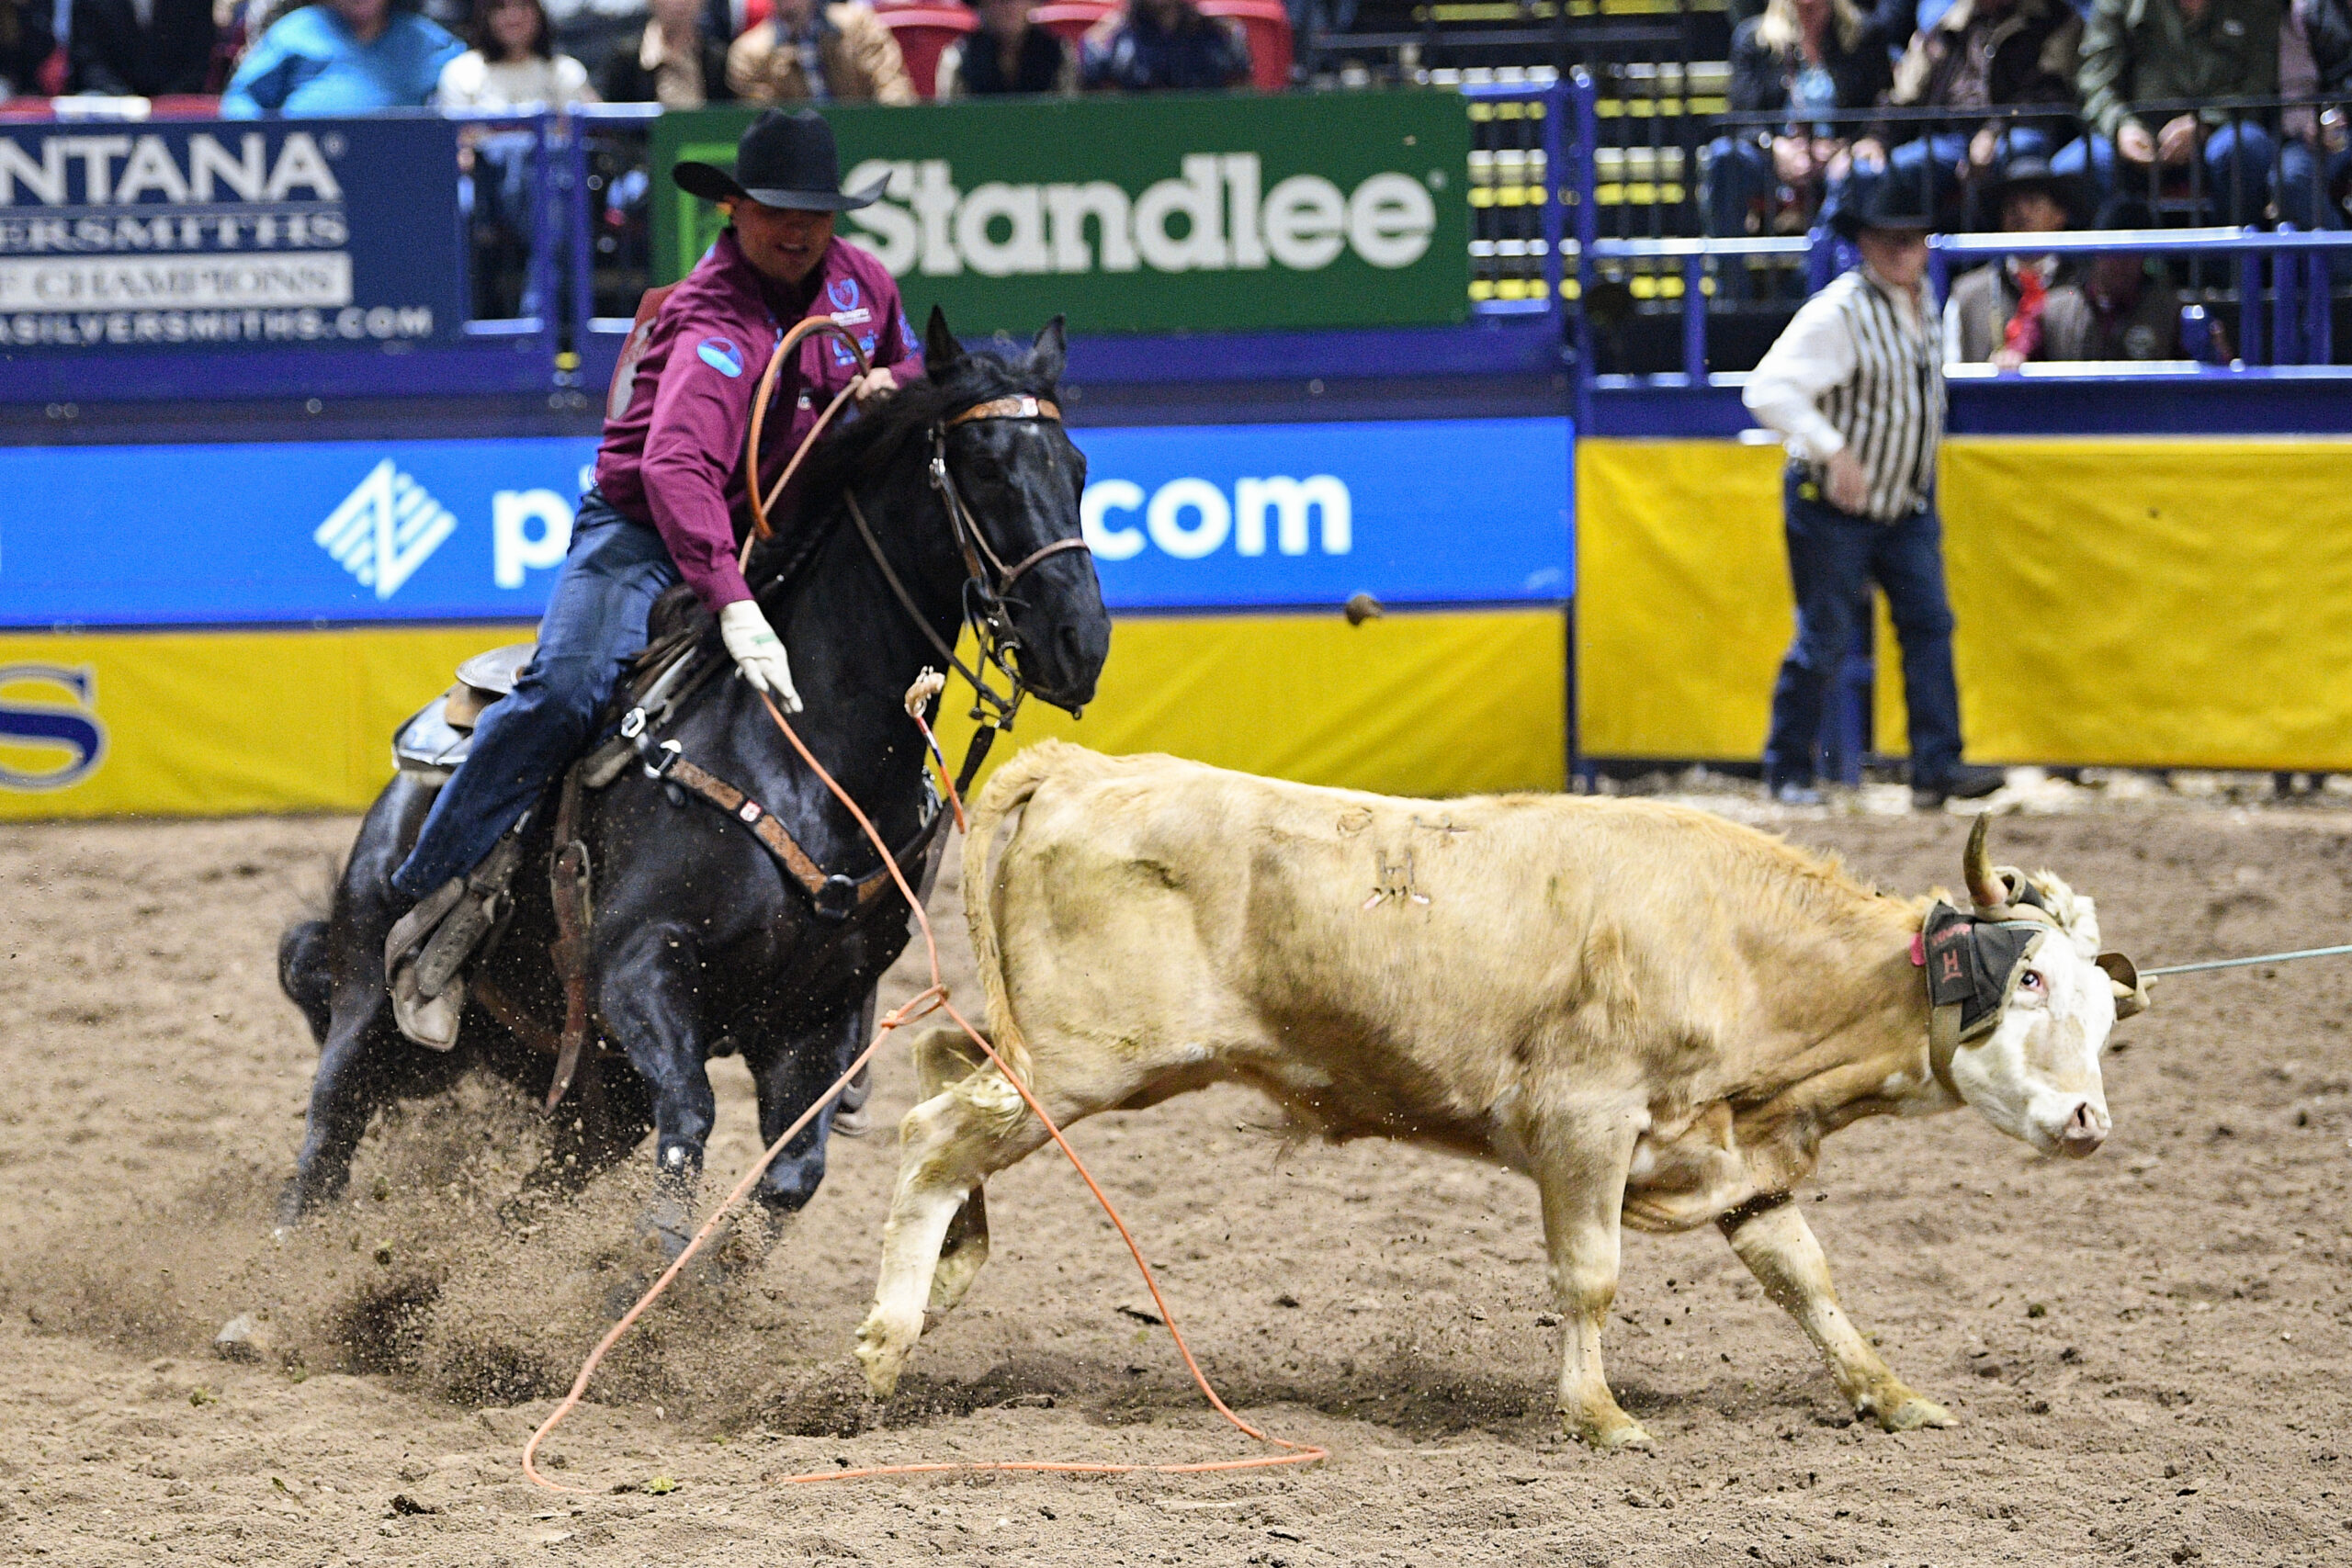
<point x="1855" y="386"/>
<point x="669" y="503"/>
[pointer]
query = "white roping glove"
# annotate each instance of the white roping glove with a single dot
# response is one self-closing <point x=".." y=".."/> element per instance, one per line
<point x="758" y="652"/>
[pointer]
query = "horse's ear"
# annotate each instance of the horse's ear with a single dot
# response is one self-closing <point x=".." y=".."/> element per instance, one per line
<point x="941" y="352"/>
<point x="1047" y="355"/>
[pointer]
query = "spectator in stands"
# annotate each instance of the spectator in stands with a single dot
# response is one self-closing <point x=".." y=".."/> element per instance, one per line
<point x="1007" y="55"/>
<point x="141" y="48"/>
<point x="675" y="62"/>
<point x="811" y="52"/>
<point x="2020" y="307"/>
<point x="1855" y="387"/>
<point x="592" y="30"/>
<point x="2153" y="51"/>
<point x="2315" y="62"/>
<point x="2132" y="311"/>
<point x="341" y="57"/>
<point x="27" y="40"/>
<point x="1979" y="56"/>
<point x="1157" y="46"/>
<point x="1807" y="57"/>
<point x="512" y="63"/>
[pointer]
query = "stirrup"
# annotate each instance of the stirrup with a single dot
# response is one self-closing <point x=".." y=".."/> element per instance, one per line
<point x="431" y="1022"/>
<point x="428" y="993"/>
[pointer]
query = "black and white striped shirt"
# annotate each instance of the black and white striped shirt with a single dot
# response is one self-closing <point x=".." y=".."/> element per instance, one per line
<point x="1861" y="367"/>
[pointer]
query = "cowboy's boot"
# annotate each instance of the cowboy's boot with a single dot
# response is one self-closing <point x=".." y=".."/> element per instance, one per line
<point x="430" y="944"/>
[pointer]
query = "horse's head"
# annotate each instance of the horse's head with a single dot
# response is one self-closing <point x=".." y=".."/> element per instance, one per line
<point x="1016" y="470"/>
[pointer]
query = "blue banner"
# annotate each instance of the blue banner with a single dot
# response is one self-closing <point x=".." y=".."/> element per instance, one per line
<point x="1427" y="512"/>
<point x="1411" y="511"/>
<point x="208" y="234"/>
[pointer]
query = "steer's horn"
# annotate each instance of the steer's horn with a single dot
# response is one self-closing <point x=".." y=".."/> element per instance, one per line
<point x="1984" y="885"/>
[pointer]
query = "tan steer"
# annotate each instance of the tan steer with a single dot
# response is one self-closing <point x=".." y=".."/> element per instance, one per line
<point x="1655" y="1013"/>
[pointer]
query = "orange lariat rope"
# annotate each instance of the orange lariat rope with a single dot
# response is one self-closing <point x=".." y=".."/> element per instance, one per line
<point x="932" y="998"/>
<point x="762" y="500"/>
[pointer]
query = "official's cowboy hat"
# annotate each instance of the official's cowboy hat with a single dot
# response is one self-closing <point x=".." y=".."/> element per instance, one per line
<point x="1879" y="198"/>
<point x="784" y="160"/>
<point x="2028" y="172"/>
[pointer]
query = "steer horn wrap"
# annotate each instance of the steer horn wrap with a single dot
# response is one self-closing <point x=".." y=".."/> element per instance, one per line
<point x="2131" y="991"/>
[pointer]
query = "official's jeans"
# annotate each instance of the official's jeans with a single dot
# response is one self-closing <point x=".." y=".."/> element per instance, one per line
<point x="594" y="624"/>
<point x="1833" y="558"/>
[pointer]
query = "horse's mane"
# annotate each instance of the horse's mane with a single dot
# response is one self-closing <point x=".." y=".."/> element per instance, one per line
<point x="872" y="440"/>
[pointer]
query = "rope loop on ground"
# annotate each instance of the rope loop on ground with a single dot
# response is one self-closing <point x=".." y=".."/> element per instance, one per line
<point x="933" y="998"/>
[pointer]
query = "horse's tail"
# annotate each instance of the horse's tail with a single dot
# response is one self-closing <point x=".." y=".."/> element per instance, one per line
<point x="306" y="975"/>
<point x="1011" y="787"/>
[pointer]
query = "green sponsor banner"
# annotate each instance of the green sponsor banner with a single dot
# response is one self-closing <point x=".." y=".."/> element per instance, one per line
<point x="1181" y="212"/>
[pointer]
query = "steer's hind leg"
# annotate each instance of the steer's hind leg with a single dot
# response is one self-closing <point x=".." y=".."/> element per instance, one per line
<point x="1779" y="1248"/>
<point x="944" y="1058"/>
<point x="948" y="1145"/>
<point x="1580" y="1165"/>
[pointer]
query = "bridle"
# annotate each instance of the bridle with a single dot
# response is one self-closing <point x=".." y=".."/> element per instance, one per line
<point x="987" y="581"/>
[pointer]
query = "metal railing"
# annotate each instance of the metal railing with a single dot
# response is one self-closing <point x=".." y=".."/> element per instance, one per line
<point x="2280" y="280"/>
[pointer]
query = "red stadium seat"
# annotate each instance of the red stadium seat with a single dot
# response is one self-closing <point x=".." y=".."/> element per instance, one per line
<point x="1071" y="20"/>
<point x="1266" y="24"/>
<point x="923" y="33"/>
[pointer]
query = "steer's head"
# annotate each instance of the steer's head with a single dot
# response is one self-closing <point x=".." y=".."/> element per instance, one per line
<point x="2034" y="1073"/>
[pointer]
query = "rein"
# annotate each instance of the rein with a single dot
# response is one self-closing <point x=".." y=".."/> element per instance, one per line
<point x="985" y="597"/>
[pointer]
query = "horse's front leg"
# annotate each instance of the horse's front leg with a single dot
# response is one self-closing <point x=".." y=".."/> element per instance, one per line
<point x="792" y="1067"/>
<point x="648" y="989"/>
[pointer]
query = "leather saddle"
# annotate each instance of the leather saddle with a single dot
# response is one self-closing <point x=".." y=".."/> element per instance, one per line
<point x="432" y="742"/>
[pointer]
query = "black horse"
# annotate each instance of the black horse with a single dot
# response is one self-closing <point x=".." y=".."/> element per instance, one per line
<point x="697" y="943"/>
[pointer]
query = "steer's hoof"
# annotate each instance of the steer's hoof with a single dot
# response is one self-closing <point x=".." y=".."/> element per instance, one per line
<point x="882" y="1349"/>
<point x="1607" y="1431"/>
<point x="1908" y="1412"/>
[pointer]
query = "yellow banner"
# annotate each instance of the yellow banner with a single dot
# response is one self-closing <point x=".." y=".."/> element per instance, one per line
<point x="222" y="723"/>
<point x="2120" y="601"/>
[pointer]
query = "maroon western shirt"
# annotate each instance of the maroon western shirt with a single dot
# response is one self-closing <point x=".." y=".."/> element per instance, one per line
<point x="673" y="457"/>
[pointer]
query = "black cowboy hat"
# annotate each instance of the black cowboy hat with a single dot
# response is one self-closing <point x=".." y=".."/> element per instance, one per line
<point x="784" y="160"/>
<point x="1877" y="199"/>
<point x="2030" y="171"/>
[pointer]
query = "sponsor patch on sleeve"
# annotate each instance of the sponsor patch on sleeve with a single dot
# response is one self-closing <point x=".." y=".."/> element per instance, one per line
<point x="721" y="354"/>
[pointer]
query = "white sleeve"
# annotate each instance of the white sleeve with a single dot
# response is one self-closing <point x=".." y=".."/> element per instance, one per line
<point x="571" y="82"/>
<point x="462" y="81"/>
<point x="1814" y="353"/>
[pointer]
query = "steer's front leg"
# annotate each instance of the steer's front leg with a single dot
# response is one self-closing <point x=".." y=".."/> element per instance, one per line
<point x="1580" y="1172"/>
<point x="1780" y="1249"/>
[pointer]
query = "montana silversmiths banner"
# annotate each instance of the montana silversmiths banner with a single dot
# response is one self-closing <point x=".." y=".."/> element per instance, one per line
<point x="1176" y="212"/>
<point x="220" y="234"/>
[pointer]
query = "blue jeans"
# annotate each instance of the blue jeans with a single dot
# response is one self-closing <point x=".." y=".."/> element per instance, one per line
<point x="594" y="624"/>
<point x="2237" y="161"/>
<point x="1833" y="558"/>
<point x="1935" y="158"/>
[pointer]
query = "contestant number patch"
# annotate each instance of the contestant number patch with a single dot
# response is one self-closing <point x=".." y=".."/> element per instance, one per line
<point x="721" y="354"/>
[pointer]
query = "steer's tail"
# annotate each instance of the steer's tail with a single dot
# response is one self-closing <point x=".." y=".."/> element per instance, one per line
<point x="1019" y="779"/>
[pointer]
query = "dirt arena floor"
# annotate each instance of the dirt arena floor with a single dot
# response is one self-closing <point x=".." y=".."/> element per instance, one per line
<point x="2148" y="1350"/>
